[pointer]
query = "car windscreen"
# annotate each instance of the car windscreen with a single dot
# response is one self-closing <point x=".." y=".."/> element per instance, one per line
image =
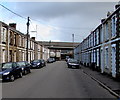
<point x="73" y="61"/>
<point x="35" y="61"/>
<point x="7" y="65"/>
<point x="20" y="63"/>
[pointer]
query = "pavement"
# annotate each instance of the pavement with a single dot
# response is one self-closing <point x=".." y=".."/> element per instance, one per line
<point x="107" y="80"/>
<point x="55" y="80"/>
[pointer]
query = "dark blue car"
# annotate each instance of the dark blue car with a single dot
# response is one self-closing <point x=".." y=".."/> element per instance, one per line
<point x="50" y="60"/>
<point x="25" y="66"/>
<point x="10" y="71"/>
<point x="36" y="64"/>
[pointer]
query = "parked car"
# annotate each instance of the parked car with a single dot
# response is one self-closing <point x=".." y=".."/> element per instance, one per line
<point x="50" y="60"/>
<point x="68" y="60"/>
<point x="25" y="67"/>
<point x="73" y="63"/>
<point x="53" y="59"/>
<point x="43" y="62"/>
<point x="10" y="71"/>
<point x="36" y="64"/>
<point x="67" y="57"/>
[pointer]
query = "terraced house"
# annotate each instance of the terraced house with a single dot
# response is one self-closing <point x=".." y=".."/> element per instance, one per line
<point x="13" y="45"/>
<point x="101" y="49"/>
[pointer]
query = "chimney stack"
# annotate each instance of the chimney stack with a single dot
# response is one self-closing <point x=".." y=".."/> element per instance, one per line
<point x="108" y="14"/>
<point x="117" y="5"/>
<point x="33" y="38"/>
<point x="102" y="20"/>
<point x="13" y="25"/>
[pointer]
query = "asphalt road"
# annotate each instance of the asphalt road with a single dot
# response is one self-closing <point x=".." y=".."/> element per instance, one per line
<point x="55" y="81"/>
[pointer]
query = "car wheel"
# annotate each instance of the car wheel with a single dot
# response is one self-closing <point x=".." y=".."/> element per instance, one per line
<point x="20" y="75"/>
<point x="25" y="72"/>
<point x="11" y="78"/>
<point x="78" y="67"/>
<point x="29" y="71"/>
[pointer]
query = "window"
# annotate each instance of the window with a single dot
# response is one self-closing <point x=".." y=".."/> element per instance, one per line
<point x="28" y="44"/>
<point x="14" y="39"/>
<point x="3" y="35"/>
<point x="106" y="32"/>
<point x="3" y="55"/>
<point x="23" y="45"/>
<point x="94" y="38"/>
<point x="7" y="65"/>
<point x="113" y="26"/>
<point x="97" y="57"/>
<point x="97" y="37"/>
<point x="102" y="34"/>
<point x="10" y="38"/>
<point x="14" y="65"/>
<point x="20" y="39"/>
<point x="10" y="55"/>
<point x="33" y="45"/>
<point x="106" y="57"/>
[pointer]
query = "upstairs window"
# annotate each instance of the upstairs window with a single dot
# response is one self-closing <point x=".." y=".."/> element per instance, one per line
<point x="102" y="34"/>
<point x="3" y="35"/>
<point x="106" y="32"/>
<point x="20" y="40"/>
<point x="113" y="26"/>
<point x="15" y="39"/>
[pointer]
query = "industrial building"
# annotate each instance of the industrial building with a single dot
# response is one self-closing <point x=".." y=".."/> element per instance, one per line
<point x="59" y="50"/>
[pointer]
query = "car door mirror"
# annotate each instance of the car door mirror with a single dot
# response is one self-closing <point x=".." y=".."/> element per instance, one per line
<point x="17" y="66"/>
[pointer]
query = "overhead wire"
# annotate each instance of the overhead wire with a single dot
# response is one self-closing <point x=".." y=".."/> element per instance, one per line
<point x="12" y="11"/>
<point x="62" y="27"/>
<point x="51" y="26"/>
<point x="10" y="15"/>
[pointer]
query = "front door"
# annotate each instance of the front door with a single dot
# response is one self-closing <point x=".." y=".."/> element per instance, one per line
<point x="113" y="61"/>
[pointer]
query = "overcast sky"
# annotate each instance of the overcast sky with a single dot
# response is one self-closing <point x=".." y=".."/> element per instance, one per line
<point x="57" y="21"/>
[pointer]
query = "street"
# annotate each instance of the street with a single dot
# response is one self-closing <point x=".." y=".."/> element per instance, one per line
<point x="54" y="81"/>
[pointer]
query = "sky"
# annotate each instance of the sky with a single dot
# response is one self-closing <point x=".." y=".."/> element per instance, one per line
<point x="57" y="21"/>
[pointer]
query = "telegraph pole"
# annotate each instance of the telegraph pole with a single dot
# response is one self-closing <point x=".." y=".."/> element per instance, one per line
<point x="49" y="47"/>
<point x="73" y="39"/>
<point x="73" y="44"/>
<point x="28" y="23"/>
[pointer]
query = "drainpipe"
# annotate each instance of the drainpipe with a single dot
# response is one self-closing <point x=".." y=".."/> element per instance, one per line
<point x="8" y="47"/>
<point x="0" y="43"/>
